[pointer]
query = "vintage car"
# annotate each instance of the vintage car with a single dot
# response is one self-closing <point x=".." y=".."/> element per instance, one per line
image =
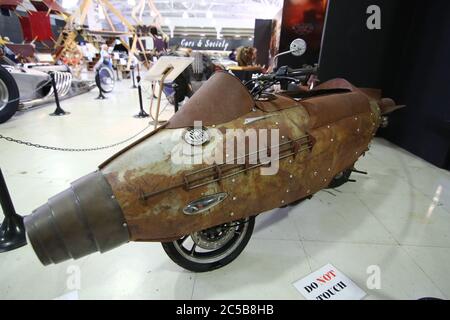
<point x="26" y="85"/>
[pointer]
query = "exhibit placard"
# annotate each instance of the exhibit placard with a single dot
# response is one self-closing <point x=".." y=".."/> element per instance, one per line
<point x="177" y="63"/>
<point x="328" y="283"/>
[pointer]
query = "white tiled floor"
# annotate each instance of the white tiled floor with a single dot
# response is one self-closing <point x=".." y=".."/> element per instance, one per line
<point x="397" y="217"/>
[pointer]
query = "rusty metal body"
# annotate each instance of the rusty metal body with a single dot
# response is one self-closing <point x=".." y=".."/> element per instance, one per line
<point x="319" y="137"/>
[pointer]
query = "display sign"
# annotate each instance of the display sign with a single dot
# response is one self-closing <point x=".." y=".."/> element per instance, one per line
<point x="328" y="283"/>
<point x="210" y="43"/>
<point x="179" y="64"/>
<point x="303" y="19"/>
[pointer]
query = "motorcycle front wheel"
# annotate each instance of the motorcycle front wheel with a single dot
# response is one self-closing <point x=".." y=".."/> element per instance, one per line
<point x="211" y="248"/>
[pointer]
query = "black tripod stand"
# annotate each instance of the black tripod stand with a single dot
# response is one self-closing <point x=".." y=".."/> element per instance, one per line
<point x="58" y="111"/>
<point x="99" y="86"/>
<point x="142" y="113"/>
<point x="132" y="77"/>
<point x="12" y="230"/>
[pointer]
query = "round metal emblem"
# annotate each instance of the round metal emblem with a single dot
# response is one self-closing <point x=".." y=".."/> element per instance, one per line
<point x="196" y="136"/>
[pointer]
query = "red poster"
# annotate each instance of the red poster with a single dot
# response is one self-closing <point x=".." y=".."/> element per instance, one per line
<point x="36" y="26"/>
<point x="303" y="19"/>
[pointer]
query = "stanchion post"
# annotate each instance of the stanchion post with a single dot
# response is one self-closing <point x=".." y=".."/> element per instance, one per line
<point x="132" y="76"/>
<point x="58" y="111"/>
<point x="176" y="103"/>
<point x="12" y="230"/>
<point x="117" y="73"/>
<point x="97" y="82"/>
<point x="142" y="113"/>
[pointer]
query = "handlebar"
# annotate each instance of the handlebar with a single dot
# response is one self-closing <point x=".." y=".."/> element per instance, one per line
<point x="302" y="72"/>
<point x="285" y="73"/>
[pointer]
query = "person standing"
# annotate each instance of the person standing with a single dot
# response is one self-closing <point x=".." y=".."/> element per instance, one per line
<point x="159" y="43"/>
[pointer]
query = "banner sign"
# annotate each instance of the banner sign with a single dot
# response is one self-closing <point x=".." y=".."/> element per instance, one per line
<point x="210" y="43"/>
<point x="328" y="283"/>
<point x="302" y="19"/>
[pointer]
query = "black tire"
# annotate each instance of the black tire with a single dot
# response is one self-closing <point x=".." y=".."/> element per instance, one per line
<point x="340" y="179"/>
<point x="107" y="79"/>
<point x="228" y="253"/>
<point x="8" y="92"/>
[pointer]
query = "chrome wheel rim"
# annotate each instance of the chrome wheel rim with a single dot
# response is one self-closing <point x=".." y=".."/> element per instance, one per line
<point x="4" y="95"/>
<point x="213" y="244"/>
<point x="106" y="79"/>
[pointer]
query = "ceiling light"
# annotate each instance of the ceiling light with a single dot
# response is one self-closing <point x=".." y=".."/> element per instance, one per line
<point x="101" y="14"/>
<point x="237" y="36"/>
<point x="132" y="2"/>
<point x="68" y="4"/>
<point x="202" y="35"/>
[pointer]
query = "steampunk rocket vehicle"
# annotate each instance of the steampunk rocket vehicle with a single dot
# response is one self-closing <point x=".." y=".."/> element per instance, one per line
<point x="182" y="185"/>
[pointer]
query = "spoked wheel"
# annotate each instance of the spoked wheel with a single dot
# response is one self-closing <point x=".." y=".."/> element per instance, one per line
<point x="340" y="178"/>
<point x="106" y="77"/>
<point x="211" y="248"/>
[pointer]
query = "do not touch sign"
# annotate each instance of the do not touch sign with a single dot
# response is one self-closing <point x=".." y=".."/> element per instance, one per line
<point x="328" y="283"/>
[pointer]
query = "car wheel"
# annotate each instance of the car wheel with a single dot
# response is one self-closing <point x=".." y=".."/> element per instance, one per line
<point x="9" y="95"/>
<point x="106" y="78"/>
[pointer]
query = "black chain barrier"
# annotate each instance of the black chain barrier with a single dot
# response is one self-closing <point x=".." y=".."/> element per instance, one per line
<point x="40" y="146"/>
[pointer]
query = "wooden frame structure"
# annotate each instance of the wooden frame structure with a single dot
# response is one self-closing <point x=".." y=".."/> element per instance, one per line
<point x="75" y="22"/>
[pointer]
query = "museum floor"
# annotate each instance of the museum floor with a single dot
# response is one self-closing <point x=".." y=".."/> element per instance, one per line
<point x="397" y="218"/>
